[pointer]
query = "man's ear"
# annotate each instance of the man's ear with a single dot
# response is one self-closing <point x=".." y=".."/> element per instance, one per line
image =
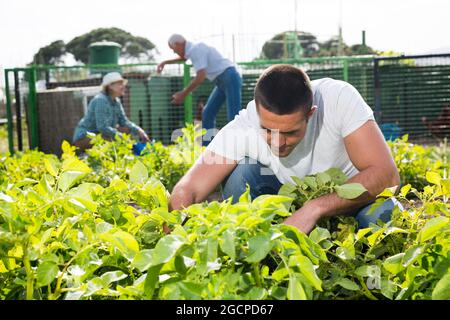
<point x="311" y="112"/>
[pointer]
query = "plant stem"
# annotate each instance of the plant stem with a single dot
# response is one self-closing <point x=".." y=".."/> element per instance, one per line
<point x="59" y="281"/>
<point x="29" y="272"/>
<point x="257" y="274"/>
<point x="366" y="290"/>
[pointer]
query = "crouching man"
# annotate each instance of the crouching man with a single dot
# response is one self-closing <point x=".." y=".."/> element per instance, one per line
<point x="296" y="127"/>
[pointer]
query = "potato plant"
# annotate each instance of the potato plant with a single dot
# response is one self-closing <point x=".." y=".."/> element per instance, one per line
<point x="92" y="228"/>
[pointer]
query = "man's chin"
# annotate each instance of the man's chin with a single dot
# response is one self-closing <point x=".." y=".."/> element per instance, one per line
<point x="282" y="153"/>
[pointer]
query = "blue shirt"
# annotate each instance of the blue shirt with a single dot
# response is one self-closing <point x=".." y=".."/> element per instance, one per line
<point x="205" y="57"/>
<point x="103" y="115"/>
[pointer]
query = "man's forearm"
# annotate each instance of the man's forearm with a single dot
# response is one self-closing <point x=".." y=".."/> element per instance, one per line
<point x="374" y="179"/>
<point x="193" y="84"/>
<point x="174" y="60"/>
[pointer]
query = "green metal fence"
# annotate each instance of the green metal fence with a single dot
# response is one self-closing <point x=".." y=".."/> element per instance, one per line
<point x="400" y="90"/>
<point x="413" y="92"/>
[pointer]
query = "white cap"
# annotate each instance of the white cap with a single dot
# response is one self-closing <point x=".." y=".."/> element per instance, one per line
<point x="111" y="78"/>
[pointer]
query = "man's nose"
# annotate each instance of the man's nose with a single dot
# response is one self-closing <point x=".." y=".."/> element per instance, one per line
<point x="278" y="139"/>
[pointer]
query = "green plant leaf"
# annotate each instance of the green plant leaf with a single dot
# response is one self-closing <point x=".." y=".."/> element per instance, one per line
<point x="386" y="193"/>
<point x="167" y="248"/>
<point x="411" y="255"/>
<point x="350" y="190"/>
<point x="387" y="288"/>
<point x="337" y="175"/>
<point x="46" y="273"/>
<point x="151" y="280"/>
<point x="445" y="183"/>
<point x="143" y="260"/>
<point x="138" y="173"/>
<point x="323" y="178"/>
<point x="319" y="234"/>
<point x="51" y="166"/>
<point x="310" y="182"/>
<point x="393" y="264"/>
<point x="124" y="242"/>
<point x="245" y="197"/>
<point x="287" y="189"/>
<point x="68" y="178"/>
<point x="442" y="289"/>
<point x="295" y="289"/>
<point x="433" y="177"/>
<point x="347" y="284"/>
<point x="75" y="164"/>
<point x="368" y="271"/>
<point x="307" y="269"/>
<point x="432" y="228"/>
<point x="269" y="201"/>
<point x="405" y="190"/>
<point x="112" y="276"/>
<point x="226" y="243"/>
<point x="258" y="247"/>
<point x="191" y="290"/>
<point x="280" y="274"/>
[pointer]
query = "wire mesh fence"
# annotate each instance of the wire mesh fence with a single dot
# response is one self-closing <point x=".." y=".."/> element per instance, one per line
<point x="408" y="94"/>
<point x="413" y="94"/>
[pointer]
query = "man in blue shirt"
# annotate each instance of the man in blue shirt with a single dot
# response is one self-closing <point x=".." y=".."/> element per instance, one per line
<point x="208" y="63"/>
<point x="105" y="113"/>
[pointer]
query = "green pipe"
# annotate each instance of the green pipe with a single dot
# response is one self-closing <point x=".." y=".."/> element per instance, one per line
<point x="345" y="70"/>
<point x="9" y="114"/>
<point x="16" y="69"/>
<point x="88" y="66"/>
<point x="309" y="60"/>
<point x="32" y="108"/>
<point x="188" y="99"/>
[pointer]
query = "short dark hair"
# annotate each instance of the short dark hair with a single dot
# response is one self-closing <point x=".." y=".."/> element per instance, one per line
<point x="284" y="89"/>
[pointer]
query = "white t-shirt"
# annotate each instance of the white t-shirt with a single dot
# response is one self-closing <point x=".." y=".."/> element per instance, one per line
<point x="340" y="111"/>
<point x="208" y="58"/>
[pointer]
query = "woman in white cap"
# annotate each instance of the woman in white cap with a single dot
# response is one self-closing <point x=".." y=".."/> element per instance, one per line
<point x="105" y="112"/>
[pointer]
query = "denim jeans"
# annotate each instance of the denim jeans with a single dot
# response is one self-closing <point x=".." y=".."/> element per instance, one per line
<point x="228" y="88"/>
<point x="248" y="171"/>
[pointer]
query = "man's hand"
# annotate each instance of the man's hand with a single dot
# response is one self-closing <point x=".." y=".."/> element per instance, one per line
<point x="143" y="136"/>
<point x="160" y="67"/>
<point x="178" y="97"/>
<point x="304" y="219"/>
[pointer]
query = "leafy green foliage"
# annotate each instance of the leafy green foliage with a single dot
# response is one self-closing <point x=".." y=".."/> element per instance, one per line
<point x="314" y="186"/>
<point x="414" y="161"/>
<point x="282" y="45"/>
<point x="92" y="228"/>
<point x="50" y="54"/>
<point x="134" y="48"/>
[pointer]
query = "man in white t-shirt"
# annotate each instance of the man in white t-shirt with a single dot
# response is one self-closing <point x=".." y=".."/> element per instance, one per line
<point x="296" y="127"/>
<point x="208" y="63"/>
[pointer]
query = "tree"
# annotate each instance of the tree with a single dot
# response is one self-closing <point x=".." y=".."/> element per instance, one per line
<point x="282" y="46"/>
<point x="133" y="47"/>
<point x="50" y="54"/>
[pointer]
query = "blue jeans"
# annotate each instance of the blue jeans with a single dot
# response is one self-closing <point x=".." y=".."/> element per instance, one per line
<point x="228" y="87"/>
<point x="248" y="171"/>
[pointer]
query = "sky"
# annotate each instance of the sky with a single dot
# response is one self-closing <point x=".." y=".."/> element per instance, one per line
<point x="413" y="26"/>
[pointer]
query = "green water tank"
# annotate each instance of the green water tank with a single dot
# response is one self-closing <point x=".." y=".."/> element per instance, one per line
<point x="104" y="52"/>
